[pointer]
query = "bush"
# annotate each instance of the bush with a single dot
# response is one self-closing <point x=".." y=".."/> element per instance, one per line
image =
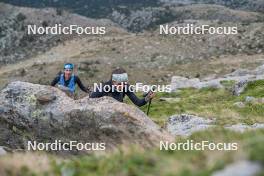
<point x="21" y="17"/>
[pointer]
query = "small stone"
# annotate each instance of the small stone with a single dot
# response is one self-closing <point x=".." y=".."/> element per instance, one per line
<point x="185" y="124"/>
<point x="239" y="87"/>
<point x="45" y="97"/>
<point x="239" y="104"/>
<point x="260" y="70"/>
<point x="250" y="99"/>
<point x="2" y="151"/>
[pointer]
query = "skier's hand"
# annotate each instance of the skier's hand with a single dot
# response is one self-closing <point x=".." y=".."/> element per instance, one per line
<point x="150" y="96"/>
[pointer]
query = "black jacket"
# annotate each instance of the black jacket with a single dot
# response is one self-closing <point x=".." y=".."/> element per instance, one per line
<point x="119" y="96"/>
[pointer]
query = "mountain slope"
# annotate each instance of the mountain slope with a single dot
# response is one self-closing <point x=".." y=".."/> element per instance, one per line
<point x="16" y="45"/>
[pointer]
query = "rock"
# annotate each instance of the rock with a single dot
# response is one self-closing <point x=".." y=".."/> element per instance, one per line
<point x="250" y="99"/>
<point x="2" y="151"/>
<point x="241" y="168"/>
<point x="240" y="76"/>
<point x="244" y="127"/>
<point x="212" y="84"/>
<point x="62" y="118"/>
<point x="240" y="72"/>
<point x="239" y="104"/>
<point x="239" y="87"/>
<point x="178" y="82"/>
<point x="260" y="77"/>
<point x="185" y="125"/>
<point x="45" y="96"/>
<point x="260" y="70"/>
<point x="210" y="77"/>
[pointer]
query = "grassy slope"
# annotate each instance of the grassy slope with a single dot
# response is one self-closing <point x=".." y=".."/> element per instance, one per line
<point x="211" y="103"/>
<point x="216" y="103"/>
<point x="136" y="162"/>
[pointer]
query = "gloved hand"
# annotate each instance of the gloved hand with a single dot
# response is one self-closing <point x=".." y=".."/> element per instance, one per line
<point x="149" y="96"/>
<point x="88" y="89"/>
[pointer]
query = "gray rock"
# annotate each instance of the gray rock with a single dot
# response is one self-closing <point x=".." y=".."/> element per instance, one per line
<point x="240" y="76"/>
<point x="239" y="87"/>
<point x="2" y="151"/>
<point x="62" y="118"/>
<point x="241" y="168"/>
<point x="239" y="104"/>
<point x="250" y="99"/>
<point x="209" y="77"/>
<point x="260" y="77"/>
<point x="178" y="82"/>
<point x="212" y="84"/>
<point x="260" y="70"/>
<point x="185" y="125"/>
<point x="240" y="72"/>
<point x="244" y="127"/>
<point x="45" y="97"/>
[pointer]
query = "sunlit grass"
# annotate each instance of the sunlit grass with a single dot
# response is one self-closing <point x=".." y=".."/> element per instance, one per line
<point x="210" y="103"/>
<point x="138" y="162"/>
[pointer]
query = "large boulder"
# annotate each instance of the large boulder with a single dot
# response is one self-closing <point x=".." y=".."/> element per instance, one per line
<point x="31" y="112"/>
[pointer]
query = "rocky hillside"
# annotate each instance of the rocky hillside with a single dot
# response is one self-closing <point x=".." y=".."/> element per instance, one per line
<point x="249" y="5"/>
<point x="16" y="45"/>
<point x="227" y="70"/>
<point x="147" y="18"/>
<point x="139" y="15"/>
<point x="93" y="8"/>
